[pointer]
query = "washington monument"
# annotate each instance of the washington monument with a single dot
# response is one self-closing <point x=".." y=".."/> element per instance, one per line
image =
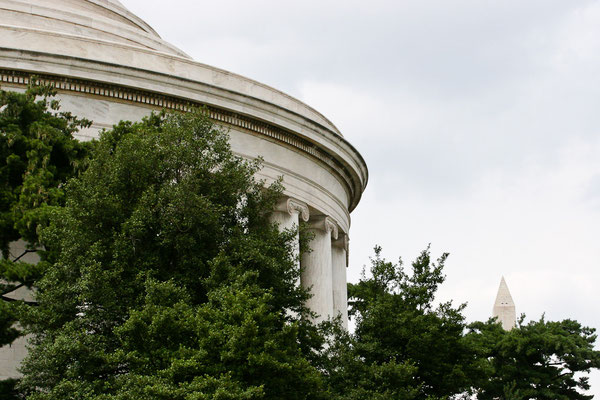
<point x="504" y="307"/>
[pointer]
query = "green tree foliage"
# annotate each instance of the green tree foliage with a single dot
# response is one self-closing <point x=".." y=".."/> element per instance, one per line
<point x="352" y="376"/>
<point x="162" y="278"/>
<point x="538" y="360"/>
<point x="170" y="282"/>
<point x="38" y="154"/>
<point x="403" y="346"/>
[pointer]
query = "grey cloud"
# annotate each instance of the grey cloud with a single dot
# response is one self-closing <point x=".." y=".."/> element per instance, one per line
<point x="463" y="111"/>
<point x="454" y="46"/>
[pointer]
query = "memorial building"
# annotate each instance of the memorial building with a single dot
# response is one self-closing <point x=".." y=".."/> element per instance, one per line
<point x="109" y="65"/>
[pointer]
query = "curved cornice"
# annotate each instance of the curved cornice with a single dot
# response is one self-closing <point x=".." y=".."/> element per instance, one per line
<point x="99" y="47"/>
<point x="350" y="170"/>
<point x="104" y="31"/>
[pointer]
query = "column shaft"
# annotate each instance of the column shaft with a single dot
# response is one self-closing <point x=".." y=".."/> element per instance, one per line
<point x="286" y="221"/>
<point x="317" y="273"/>
<point x="340" y="288"/>
<point x="287" y="216"/>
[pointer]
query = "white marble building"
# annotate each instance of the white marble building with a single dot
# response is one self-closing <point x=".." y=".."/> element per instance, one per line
<point x="109" y="65"/>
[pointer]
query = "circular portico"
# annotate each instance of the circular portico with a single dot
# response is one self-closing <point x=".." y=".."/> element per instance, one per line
<point x="109" y="65"/>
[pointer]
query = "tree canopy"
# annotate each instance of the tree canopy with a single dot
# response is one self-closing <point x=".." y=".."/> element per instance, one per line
<point x="406" y="347"/>
<point x="536" y="360"/>
<point x="162" y="277"/>
<point x="401" y="338"/>
<point x="169" y="280"/>
<point x="38" y="154"/>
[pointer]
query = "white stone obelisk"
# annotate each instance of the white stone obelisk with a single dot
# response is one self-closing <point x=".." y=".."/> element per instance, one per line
<point x="504" y="307"/>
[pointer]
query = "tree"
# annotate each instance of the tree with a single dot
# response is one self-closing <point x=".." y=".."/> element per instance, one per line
<point x="169" y="281"/>
<point x="538" y="360"/>
<point x="352" y="376"/>
<point x="403" y="347"/>
<point x="38" y="154"/>
<point x="162" y="278"/>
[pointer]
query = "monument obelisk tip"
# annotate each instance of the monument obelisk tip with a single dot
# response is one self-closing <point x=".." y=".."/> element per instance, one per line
<point x="504" y="307"/>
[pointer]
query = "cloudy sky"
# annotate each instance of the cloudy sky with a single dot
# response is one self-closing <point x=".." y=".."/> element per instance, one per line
<point x="479" y="121"/>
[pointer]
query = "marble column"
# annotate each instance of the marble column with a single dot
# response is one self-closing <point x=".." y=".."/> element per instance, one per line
<point x="287" y="216"/>
<point x="317" y="274"/>
<point x="339" y="262"/>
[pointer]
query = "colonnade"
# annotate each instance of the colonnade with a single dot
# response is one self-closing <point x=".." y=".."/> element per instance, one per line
<point x="323" y="268"/>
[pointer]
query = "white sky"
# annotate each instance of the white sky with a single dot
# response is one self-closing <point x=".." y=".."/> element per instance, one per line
<point x="479" y="121"/>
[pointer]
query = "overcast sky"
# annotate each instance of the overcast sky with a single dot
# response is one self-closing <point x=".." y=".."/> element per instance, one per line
<point x="479" y="122"/>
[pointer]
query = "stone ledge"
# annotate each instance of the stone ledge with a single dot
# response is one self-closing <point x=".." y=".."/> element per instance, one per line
<point x="223" y="117"/>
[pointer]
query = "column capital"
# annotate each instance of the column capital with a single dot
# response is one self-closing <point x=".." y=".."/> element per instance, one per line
<point x="326" y="224"/>
<point x="342" y="241"/>
<point x="294" y="206"/>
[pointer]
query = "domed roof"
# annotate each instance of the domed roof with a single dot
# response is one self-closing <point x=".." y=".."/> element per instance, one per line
<point x="106" y="20"/>
<point x="100" y="50"/>
<point x="112" y="38"/>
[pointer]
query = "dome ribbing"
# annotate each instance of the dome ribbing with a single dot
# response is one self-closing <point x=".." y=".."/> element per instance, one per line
<point x="104" y="20"/>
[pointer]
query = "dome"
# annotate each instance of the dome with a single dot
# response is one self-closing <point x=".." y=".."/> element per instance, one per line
<point x="109" y="65"/>
<point x="105" y="20"/>
<point x="105" y="31"/>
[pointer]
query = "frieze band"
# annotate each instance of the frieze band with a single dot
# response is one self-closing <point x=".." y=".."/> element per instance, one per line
<point x="224" y="117"/>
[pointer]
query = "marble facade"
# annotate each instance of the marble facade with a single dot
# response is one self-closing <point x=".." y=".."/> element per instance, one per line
<point x="109" y="65"/>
